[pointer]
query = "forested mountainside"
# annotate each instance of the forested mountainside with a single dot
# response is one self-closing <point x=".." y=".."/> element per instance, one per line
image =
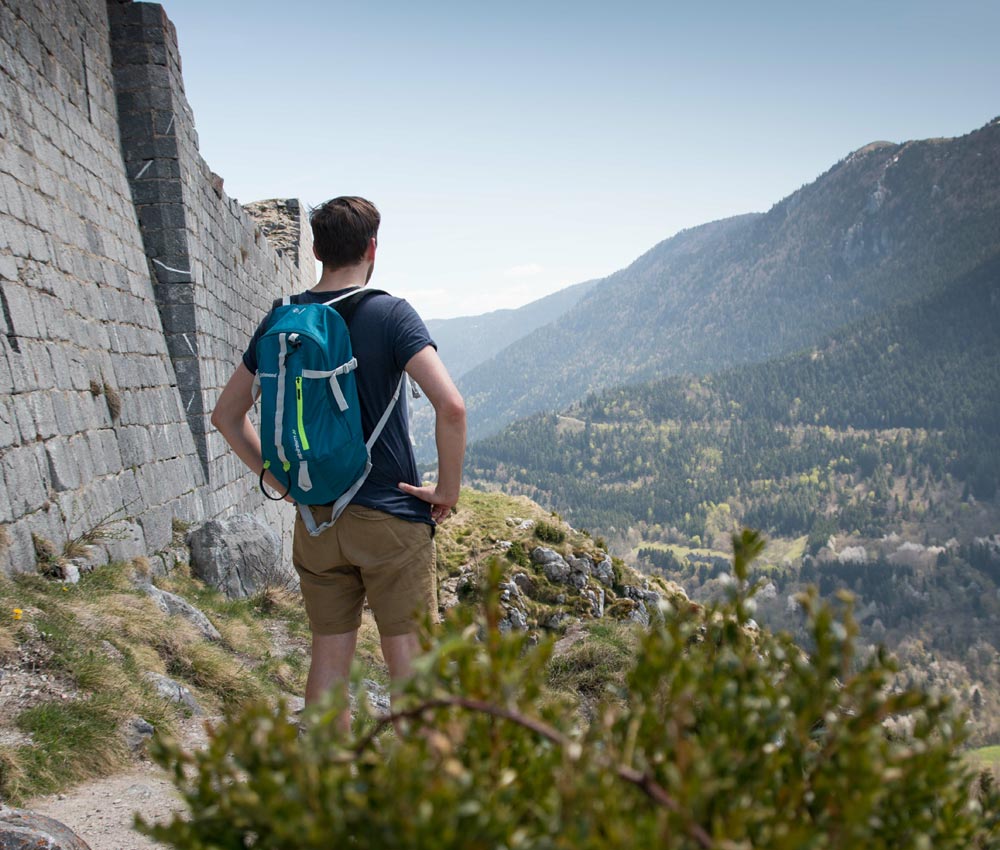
<point x="467" y="341"/>
<point x="872" y="460"/>
<point x="858" y="433"/>
<point x="889" y="223"/>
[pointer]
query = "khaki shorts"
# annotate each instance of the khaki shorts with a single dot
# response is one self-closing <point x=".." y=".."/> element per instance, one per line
<point x="366" y="552"/>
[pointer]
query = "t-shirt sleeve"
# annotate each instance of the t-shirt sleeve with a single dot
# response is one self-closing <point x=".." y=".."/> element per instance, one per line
<point x="409" y="334"/>
<point x="250" y="355"/>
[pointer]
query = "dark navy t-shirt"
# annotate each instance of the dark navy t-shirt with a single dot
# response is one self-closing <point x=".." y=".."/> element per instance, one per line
<point x="385" y="333"/>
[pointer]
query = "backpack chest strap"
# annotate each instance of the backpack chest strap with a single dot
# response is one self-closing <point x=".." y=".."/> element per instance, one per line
<point x="331" y="375"/>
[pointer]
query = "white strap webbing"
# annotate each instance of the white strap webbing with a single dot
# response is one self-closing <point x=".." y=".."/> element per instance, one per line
<point x="354" y="292"/>
<point x="341" y="503"/>
<point x="279" y="407"/>
<point x="332" y="374"/>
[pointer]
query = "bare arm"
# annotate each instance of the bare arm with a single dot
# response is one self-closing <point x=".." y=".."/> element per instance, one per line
<point x="426" y="368"/>
<point x="231" y="420"/>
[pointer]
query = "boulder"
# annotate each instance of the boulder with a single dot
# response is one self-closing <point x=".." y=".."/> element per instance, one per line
<point x="239" y="555"/>
<point x="555" y="621"/>
<point x="515" y="620"/>
<point x="596" y="598"/>
<point x="174" y="692"/>
<point x="639" y="614"/>
<point x="552" y="563"/>
<point x="642" y="594"/>
<point x="525" y="583"/>
<point x="450" y="588"/>
<point x="137" y="732"/>
<point x="604" y="572"/>
<point x="171" y="603"/>
<point x="24" y="830"/>
<point x="509" y="591"/>
<point x="580" y="571"/>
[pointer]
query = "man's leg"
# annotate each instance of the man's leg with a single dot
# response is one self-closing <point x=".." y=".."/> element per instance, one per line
<point x="399" y="652"/>
<point x="331" y="667"/>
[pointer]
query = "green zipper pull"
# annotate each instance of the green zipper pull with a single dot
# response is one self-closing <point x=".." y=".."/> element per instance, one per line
<point x="298" y="410"/>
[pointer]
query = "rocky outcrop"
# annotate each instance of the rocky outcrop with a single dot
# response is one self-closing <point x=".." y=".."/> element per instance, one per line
<point x="172" y="604"/>
<point x="512" y="603"/>
<point x="552" y="563"/>
<point x="174" y="692"/>
<point x="240" y="556"/>
<point x="24" y="830"/>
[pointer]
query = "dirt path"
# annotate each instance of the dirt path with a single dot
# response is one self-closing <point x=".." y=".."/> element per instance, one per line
<point x="101" y="811"/>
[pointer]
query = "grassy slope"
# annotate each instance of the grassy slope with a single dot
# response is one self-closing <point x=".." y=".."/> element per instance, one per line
<point x="80" y="651"/>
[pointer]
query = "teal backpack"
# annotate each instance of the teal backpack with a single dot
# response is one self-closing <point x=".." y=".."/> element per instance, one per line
<point x="310" y="418"/>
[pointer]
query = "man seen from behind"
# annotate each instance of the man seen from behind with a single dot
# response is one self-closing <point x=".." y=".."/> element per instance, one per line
<point x="382" y="545"/>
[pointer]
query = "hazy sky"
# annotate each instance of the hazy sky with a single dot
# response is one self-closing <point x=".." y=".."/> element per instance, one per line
<point x="516" y="148"/>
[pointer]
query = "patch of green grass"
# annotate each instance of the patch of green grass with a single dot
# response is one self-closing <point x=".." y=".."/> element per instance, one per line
<point x="73" y="740"/>
<point x="114" y="577"/>
<point x="101" y="636"/>
<point x="589" y="666"/>
<point x="986" y="756"/>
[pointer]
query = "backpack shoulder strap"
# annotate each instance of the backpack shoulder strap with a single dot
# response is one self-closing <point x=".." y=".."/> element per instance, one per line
<point x="347" y="304"/>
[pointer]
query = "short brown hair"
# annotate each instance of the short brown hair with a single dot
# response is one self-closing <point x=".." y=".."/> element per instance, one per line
<point x="341" y="229"/>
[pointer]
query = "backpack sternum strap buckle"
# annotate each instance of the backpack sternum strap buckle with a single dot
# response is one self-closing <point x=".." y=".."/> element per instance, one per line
<point x="332" y="374"/>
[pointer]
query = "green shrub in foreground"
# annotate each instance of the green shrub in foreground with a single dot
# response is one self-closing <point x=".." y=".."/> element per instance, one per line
<point x="721" y="736"/>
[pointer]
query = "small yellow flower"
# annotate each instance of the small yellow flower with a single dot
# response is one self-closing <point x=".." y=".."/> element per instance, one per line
<point x="17" y="613"/>
<point x="65" y="589"/>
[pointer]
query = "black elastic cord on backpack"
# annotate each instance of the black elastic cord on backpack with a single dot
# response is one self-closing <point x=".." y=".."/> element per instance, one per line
<point x="267" y="495"/>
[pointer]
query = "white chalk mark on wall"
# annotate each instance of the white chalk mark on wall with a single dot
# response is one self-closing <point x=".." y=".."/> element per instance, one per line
<point x="170" y="269"/>
<point x="143" y="170"/>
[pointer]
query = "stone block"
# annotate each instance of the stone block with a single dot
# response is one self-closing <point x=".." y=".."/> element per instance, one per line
<point x="174" y="293"/>
<point x="64" y="470"/>
<point x="20" y="554"/>
<point x="131" y="544"/>
<point x="20" y="310"/>
<point x="46" y="522"/>
<point x="126" y="53"/>
<point x="8" y="267"/>
<point x="182" y="345"/>
<point x="25" y="421"/>
<point x="164" y="168"/>
<point x="6" y="512"/>
<point x="104" y="451"/>
<point x="146" y="190"/>
<point x="178" y="318"/>
<point x="157" y="527"/>
<point x="42" y="414"/>
<point x="136" y="445"/>
<point x="161" y="146"/>
<point x="10" y="431"/>
<point x="145" y="15"/>
<point x="164" y="216"/>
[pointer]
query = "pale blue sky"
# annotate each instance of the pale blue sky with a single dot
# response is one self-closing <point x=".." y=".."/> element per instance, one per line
<point x="517" y="148"/>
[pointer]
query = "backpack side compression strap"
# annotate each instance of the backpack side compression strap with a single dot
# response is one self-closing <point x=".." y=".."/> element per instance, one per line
<point x="341" y="503"/>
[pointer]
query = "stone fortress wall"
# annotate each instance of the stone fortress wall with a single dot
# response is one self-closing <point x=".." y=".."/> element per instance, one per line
<point x="129" y="284"/>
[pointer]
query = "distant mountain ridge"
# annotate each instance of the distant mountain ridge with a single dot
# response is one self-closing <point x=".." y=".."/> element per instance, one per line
<point x="887" y="224"/>
<point x="912" y="392"/>
<point x="467" y="341"/>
